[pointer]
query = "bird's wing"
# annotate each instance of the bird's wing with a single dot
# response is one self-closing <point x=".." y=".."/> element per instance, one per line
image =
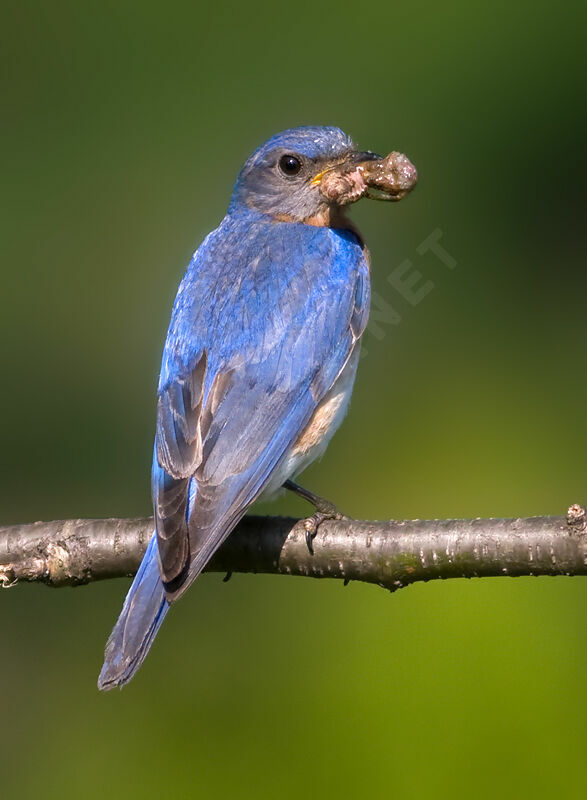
<point x="263" y="324"/>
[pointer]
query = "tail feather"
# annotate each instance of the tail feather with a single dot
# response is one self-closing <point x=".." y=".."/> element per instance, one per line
<point x="143" y="612"/>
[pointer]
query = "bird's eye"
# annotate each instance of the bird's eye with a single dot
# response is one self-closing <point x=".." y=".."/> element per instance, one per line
<point x="290" y="165"/>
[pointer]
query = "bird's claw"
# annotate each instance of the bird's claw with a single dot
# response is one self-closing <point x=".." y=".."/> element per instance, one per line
<point x="311" y="524"/>
<point x="311" y="528"/>
<point x="324" y="510"/>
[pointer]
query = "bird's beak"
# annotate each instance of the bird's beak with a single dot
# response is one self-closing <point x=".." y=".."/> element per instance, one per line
<point x="360" y="156"/>
<point x="352" y="160"/>
<point x="366" y="174"/>
<point x="317" y="179"/>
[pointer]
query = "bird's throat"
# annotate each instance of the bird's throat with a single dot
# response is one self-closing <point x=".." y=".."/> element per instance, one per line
<point x="333" y="216"/>
<point x="330" y="216"/>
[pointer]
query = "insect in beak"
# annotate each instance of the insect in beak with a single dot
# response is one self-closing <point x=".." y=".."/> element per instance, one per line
<point x="366" y="174"/>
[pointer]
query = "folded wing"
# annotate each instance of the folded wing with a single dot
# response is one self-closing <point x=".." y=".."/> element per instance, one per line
<point x="254" y="344"/>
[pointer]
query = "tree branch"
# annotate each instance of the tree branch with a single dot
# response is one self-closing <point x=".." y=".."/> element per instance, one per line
<point x="391" y="554"/>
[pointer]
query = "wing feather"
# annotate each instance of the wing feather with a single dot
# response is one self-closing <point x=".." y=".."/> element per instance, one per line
<point x="254" y="344"/>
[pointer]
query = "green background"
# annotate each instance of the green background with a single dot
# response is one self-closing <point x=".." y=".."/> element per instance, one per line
<point x="123" y="127"/>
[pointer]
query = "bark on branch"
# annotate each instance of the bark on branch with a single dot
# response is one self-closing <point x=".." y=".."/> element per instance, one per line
<point x="391" y="554"/>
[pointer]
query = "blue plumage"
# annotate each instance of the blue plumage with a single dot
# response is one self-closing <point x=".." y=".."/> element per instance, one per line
<point x="266" y="321"/>
<point x="143" y="612"/>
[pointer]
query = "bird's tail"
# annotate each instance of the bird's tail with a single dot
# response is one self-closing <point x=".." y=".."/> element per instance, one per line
<point x="143" y="612"/>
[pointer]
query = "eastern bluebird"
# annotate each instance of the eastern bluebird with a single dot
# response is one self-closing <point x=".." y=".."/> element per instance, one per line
<point x="258" y="365"/>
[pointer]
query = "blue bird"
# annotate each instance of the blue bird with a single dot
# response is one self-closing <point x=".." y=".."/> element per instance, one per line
<point x="257" y="369"/>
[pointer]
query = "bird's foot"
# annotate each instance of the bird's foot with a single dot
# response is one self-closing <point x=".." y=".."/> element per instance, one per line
<point x="311" y="525"/>
<point x="325" y="510"/>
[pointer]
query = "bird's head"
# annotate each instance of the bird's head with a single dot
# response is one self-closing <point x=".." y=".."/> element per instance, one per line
<point x="306" y="175"/>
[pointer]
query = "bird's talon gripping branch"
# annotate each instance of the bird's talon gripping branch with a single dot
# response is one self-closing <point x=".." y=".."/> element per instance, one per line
<point x="311" y="524"/>
<point x="311" y="528"/>
<point x="324" y="510"/>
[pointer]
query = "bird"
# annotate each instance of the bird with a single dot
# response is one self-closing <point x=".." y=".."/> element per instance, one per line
<point x="257" y="370"/>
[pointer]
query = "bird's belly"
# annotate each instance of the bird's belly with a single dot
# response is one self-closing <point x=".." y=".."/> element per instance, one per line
<point x="315" y="437"/>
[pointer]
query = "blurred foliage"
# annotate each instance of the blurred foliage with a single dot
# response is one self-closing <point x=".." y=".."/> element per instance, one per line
<point x="124" y="126"/>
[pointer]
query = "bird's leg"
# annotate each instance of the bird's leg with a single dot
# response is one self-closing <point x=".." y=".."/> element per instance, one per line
<point x="324" y="510"/>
